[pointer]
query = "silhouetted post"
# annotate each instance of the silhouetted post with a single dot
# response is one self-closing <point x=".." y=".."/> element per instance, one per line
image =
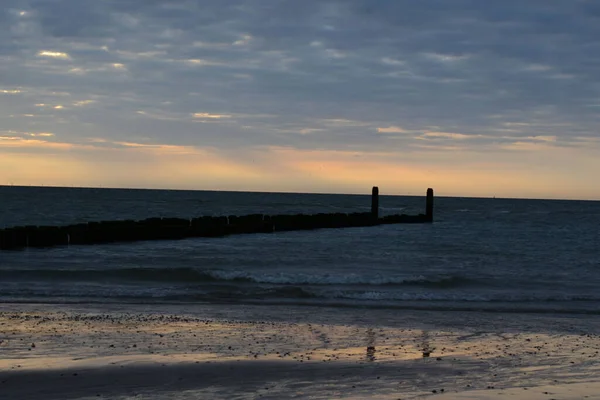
<point x="375" y="203"/>
<point x="429" y="206"/>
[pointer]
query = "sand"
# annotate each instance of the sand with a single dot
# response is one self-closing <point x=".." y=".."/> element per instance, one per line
<point x="67" y="351"/>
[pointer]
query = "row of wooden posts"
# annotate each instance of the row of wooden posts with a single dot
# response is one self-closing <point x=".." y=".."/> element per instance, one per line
<point x="22" y="237"/>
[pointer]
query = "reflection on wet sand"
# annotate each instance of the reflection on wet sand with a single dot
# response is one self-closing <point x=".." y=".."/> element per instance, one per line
<point x="370" y="345"/>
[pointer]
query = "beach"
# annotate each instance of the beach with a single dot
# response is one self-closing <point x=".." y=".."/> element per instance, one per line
<point x="56" y="351"/>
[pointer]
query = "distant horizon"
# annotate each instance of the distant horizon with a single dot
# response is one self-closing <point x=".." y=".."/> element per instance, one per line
<point x="366" y="193"/>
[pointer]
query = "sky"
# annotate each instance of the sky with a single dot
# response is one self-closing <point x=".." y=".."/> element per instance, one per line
<point x="470" y="97"/>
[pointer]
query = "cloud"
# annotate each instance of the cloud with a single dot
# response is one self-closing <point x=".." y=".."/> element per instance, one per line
<point x="392" y="129"/>
<point x="54" y="54"/>
<point x="448" y="135"/>
<point x="40" y="134"/>
<point x="395" y="76"/>
<point x="24" y="146"/>
<point x="544" y="138"/>
<point x="82" y="103"/>
<point x="211" y="116"/>
<point x="446" y="58"/>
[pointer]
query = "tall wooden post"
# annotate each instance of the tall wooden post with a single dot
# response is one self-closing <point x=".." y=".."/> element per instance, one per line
<point x="375" y="203"/>
<point x="429" y="205"/>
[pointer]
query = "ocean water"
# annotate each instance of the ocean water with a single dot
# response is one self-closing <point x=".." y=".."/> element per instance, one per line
<point x="479" y="254"/>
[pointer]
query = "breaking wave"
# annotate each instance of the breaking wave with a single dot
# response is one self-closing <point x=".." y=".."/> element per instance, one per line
<point x="193" y="275"/>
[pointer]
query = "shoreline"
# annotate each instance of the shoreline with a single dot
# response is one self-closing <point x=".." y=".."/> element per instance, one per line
<point x="482" y="307"/>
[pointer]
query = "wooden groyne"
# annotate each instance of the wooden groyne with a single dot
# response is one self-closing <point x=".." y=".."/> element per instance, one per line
<point x="21" y="237"/>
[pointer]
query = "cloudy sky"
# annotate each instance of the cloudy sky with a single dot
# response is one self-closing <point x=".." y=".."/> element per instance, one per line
<point x="471" y="97"/>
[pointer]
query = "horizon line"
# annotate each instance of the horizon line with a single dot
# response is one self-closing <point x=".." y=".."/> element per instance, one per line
<point x="367" y="193"/>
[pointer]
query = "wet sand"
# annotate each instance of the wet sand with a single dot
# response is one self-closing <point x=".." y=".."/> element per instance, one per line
<point x="246" y="352"/>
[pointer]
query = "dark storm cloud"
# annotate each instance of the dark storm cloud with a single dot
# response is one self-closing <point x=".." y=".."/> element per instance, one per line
<point x="284" y="71"/>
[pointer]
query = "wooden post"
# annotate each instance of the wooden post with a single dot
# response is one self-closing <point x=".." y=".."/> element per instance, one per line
<point x="375" y="203"/>
<point x="429" y="205"/>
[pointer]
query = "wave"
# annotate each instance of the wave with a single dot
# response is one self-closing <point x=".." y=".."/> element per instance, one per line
<point x="286" y="294"/>
<point x="461" y="297"/>
<point x="192" y="275"/>
<point x="359" y="296"/>
<point x="121" y="274"/>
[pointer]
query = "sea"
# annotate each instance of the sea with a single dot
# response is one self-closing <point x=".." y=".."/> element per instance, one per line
<point x="481" y="254"/>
